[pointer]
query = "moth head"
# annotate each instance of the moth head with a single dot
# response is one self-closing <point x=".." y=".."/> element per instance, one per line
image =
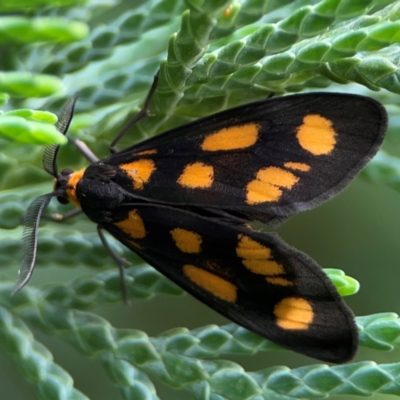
<point x="60" y="185"/>
<point x="36" y="208"/>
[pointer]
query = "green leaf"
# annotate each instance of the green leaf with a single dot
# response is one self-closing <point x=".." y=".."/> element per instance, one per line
<point x="27" y="30"/>
<point x="345" y="285"/>
<point x="28" y="85"/>
<point x="23" y="130"/>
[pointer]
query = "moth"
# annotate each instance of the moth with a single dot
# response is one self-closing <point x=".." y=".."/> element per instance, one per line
<point x="182" y="201"/>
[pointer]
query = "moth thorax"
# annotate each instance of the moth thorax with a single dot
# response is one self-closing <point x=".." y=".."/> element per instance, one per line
<point x="66" y="184"/>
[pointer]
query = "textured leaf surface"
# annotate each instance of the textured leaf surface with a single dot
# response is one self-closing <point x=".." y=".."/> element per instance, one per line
<point x="213" y="55"/>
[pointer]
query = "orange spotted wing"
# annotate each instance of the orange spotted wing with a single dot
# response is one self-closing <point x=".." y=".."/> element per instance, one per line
<point x="181" y="200"/>
<point x="263" y="161"/>
<point x="252" y="278"/>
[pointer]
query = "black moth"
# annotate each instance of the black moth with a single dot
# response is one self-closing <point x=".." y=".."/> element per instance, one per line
<point x="182" y="201"/>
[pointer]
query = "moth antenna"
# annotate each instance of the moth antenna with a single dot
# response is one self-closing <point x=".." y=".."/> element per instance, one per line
<point x="62" y="125"/>
<point x="29" y="238"/>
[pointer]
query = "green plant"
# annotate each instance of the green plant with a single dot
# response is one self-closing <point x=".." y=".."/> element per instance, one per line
<point x="214" y="54"/>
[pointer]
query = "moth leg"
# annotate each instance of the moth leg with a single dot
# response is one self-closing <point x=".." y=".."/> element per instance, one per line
<point x="121" y="263"/>
<point x="140" y="115"/>
<point x="84" y="149"/>
<point x="63" y="217"/>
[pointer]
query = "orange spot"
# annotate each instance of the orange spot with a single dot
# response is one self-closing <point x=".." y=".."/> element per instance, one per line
<point x="297" y="166"/>
<point x="277" y="177"/>
<point x="266" y="186"/>
<point x="133" y="225"/>
<point x="249" y="248"/>
<point x="294" y="313"/>
<point x="263" y="267"/>
<point x="197" y="175"/>
<point x="213" y="284"/>
<point x="316" y="135"/>
<point x="73" y="180"/>
<point x="139" y="171"/>
<point x="279" y="281"/>
<point x="261" y="192"/>
<point x="257" y="258"/>
<point x="186" y="241"/>
<point x="145" y="152"/>
<point x="235" y="137"/>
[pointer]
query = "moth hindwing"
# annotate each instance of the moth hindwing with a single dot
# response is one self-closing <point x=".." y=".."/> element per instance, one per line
<point x="182" y="201"/>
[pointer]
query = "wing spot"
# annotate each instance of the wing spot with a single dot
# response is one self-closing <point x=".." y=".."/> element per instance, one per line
<point x="145" y="152"/>
<point x="139" y="171"/>
<point x="133" y="225"/>
<point x="316" y="135"/>
<point x="186" y="241"/>
<point x="234" y="137"/>
<point x="294" y="313"/>
<point x="257" y="258"/>
<point x="211" y="283"/>
<point x="297" y="166"/>
<point x="197" y="175"/>
<point x="267" y="185"/>
<point x="279" y="281"/>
